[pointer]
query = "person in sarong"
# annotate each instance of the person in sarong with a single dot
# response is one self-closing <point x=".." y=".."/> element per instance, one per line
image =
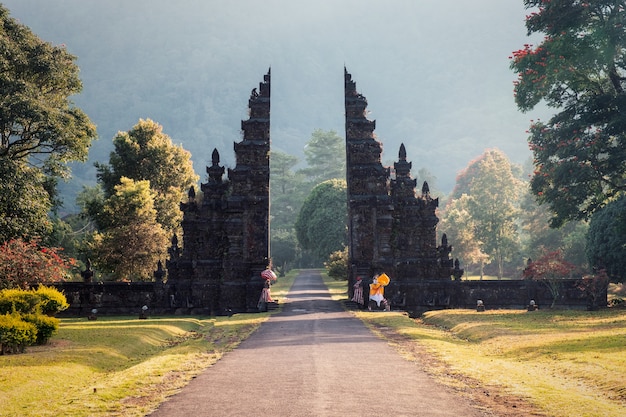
<point x="357" y="295"/>
<point x="266" y="297"/>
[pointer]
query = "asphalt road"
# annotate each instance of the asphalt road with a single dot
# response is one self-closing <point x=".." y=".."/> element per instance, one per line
<point x="314" y="359"/>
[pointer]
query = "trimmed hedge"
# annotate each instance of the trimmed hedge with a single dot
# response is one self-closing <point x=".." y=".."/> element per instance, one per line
<point x="17" y="300"/>
<point x="46" y="300"/>
<point x="46" y="326"/>
<point x="53" y="301"/>
<point x="15" y="334"/>
<point x="26" y="317"/>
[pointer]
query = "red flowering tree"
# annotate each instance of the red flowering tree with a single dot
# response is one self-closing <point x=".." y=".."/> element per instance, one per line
<point x="23" y="263"/>
<point x="579" y="69"/>
<point x="551" y="269"/>
<point x="595" y="286"/>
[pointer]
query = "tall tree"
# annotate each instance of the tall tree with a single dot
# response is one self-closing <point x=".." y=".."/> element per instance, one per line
<point x="287" y="190"/>
<point x="606" y="240"/>
<point x="322" y="222"/>
<point x="325" y="155"/>
<point x="580" y="69"/>
<point x="493" y="192"/>
<point x="38" y="122"/>
<point x="146" y="153"/>
<point x="460" y="227"/>
<point x="539" y="238"/>
<point x="24" y="202"/>
<point x="134" y="242"/>
<point x="40" y="129"/>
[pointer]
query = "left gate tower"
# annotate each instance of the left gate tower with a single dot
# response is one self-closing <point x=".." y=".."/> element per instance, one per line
<point x="225" y="243"/>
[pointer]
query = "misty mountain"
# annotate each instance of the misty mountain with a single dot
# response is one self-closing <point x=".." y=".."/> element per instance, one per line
<point x="435" y="73"/>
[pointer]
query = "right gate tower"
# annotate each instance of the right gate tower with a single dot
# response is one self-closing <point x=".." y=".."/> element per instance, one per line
<point x="391" y="228"/>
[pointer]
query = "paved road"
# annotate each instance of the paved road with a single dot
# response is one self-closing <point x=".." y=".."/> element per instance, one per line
<point x="314" y="359"/>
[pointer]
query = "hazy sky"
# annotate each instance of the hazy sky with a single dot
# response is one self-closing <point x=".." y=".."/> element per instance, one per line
<point x="435" y="72"/>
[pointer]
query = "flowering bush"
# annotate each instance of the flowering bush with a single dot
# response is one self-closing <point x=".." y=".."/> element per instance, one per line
<point x="25" y="263"/>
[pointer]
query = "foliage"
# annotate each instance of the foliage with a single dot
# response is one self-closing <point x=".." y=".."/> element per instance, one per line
<point x="46" y="326"/>
<point x="146" y="153"/>
<point x="550" y="269"/>
<point x="284" y="244"/>
<point x="40" y="128"/>
<point x="134" y="242"/>
<point x="15" y="334"/>
<point x="45" y="300"/>
<point x="606" y="240"/>
<point x="16" y="300"/>
<point x="595" y="286"/>
<point x="24" y="202"/>
<point x="579" y="69"/>
<point x="460" y="228"/>
<point x="538" y="237"/>
<point x="337" y="265"/>
<point x="52" y="301"/>
<point x="492" y="191"/>
<point x="288" y="190"/>
<point x="25" y="263"/>
<point x="322" y="222"/>
<point x="325" y="155"/>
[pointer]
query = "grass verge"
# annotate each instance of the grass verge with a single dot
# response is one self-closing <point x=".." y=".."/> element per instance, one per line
<point x="549" y="363"/>
<point x="119" y="366"/>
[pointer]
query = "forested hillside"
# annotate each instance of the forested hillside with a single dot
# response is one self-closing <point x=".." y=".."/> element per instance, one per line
<point x="436" y="74"/>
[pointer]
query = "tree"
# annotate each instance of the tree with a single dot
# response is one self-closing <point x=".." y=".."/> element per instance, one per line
<point x="38" y="123"/>
<point x="606" y="240"/>
<point x="134" y="242"/>
<point x="551" y="269"/>
<point x="40" y="129"/>
<point x="23" y="263"/>
<point x="578" y="68"/>
<point x="492" y="203"/>
<point x="285" y="249"/>
<point x="24" y="202"/>
<point x="287" y="190"/>
<point x="325" y="155"/>
<point x="321" y="226"/>
<point x="146" y="153"/>
<point x="538" y="237"/>
<point x="460" y="228"/>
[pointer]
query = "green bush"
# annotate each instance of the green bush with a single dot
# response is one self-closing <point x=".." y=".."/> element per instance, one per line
<point x="46" y="326"/>
<point x="53" y="301"/>
<point x="15" y="334"/>
<point x="337" y="265"/>
<point x="17" y="300"/>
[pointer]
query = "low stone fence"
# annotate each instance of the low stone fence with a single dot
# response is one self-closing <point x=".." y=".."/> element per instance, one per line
<point x="128" y="298"/>
<point x="113" y="298"/>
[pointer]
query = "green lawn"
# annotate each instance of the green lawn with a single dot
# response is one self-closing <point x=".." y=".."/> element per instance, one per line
<point x="564" y="363"/>
<point x="119" y="366"/>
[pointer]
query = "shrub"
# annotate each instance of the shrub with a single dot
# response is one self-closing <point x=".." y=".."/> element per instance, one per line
<point x="15" y="334"/>
<point x="24" y="263"/>
<point x="337" y="265"/>
<point x="16" y="300"/>
<point x="53" y="301"/>
<point x="46" y="326"/>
